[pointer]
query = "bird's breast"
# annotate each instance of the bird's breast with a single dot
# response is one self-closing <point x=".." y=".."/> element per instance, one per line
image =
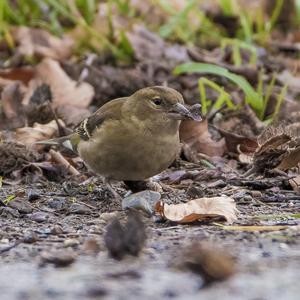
<point x="129" y="151"/>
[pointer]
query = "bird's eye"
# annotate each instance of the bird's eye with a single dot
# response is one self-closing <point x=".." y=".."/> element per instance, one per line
<point x="157" y="101"/>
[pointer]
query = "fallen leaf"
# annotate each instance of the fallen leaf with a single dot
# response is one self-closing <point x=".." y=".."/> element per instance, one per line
<point x="12" y="107"/>
<point x="237" y="143"/>
<point x="280" y="151"/>
<point x="72" y="115"/>
<point x="65" y="91"/>
<point x="14" y="156"/>
<point x="201" y="209"/>
<point x="24" y="74"/>
<point x="39" y="132"/>
<point x="295" y="183"/>
<point x="199" y="139"/>
<point x="40" y="43"/>
<point x="290" y="160"/>
<point x="273" y="143"/>
<point x="150" y="46"/>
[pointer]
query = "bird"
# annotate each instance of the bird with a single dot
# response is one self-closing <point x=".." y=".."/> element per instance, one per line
<point x="131" y="138"/>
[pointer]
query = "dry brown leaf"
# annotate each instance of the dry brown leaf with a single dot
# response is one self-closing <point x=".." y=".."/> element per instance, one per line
<point x="201" y="209"/>
<point x="39" y="132"/>
<point x="295" y="183"/>
<point x="72" y="115"/>
<point x="22" y="74"/>
<point x="273" y="143"/>
<point x="12" y="100"/>
<point x="279" y="148"/>
<point x="65" y="91"/>
<point x="150" y="46"/>
<point x="198" y="138"/>
<point x="237" y="143"/>
<point x="14" y="156"/>
<point x="13" y="111"/>
<point x="40" y="43"/>
<point x="290" y="160"/>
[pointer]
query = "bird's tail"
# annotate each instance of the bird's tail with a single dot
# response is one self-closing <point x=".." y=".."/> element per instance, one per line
<point x="70" y="142"/>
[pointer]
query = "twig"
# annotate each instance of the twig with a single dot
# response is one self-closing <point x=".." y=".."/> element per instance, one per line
<point x="57" y="157"/>
<point x="86" y="204"/>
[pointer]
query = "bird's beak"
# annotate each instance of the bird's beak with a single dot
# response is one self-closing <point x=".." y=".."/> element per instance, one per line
<point x="183" y="112"/>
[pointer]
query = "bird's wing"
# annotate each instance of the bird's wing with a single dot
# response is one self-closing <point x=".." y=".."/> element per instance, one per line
<point x="110" y="110"/>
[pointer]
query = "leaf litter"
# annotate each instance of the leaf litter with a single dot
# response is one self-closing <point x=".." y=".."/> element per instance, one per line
<point x="206" y="186"/>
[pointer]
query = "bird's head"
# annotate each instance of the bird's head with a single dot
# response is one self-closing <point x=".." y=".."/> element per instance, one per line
<point x="165" y="103"/>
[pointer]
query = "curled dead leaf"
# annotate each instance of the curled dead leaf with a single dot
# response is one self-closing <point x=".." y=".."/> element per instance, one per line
<point x="237" y="143"/>
<point x="40" y="43"/>
<point x="281" y="150"/>
<point x="202" y="209"/>
<point x="199" y="139"/>
<point x="65" y="91"/>
<point x="39" y="132"/>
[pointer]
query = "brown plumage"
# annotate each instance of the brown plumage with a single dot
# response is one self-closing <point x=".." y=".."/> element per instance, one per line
<point x="132" y="138"/>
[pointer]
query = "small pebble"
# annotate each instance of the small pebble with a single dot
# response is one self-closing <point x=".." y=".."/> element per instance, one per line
<point x="58" y="203"/>
<point x="256" y="194"/>
<point x="71" y="243"/>
<point x="30" y="237"/>
<point x="56" y="230"/>
<point x="4" y="241"/>
<point x="39" y="217"/>
<point x="21" y="205"/>
<point x="144" y="200"/>
<point x="32" y="195"/>
<point x="96" y="292"/>
<point x="7" y="212"/>
<point x="79" y="209"/>
<point x="58" y="258"/>
<point x="109" y="216"/>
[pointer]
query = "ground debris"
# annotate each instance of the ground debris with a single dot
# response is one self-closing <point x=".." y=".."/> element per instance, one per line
<point x="15" y="155"/>
<point x="128" y="239"/>
<point x="209" y="261"/>
<point x="199" y="210"/>
<point x="59" y="258"/>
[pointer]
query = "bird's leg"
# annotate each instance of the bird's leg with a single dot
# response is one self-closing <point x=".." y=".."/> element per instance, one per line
<point x="141" y="185"/>
<point x="111" y="189"/>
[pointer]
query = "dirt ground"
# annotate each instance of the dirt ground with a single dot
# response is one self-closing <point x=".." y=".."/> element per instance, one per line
<point x="55" y="221"/>
<point x="50" y="221"/>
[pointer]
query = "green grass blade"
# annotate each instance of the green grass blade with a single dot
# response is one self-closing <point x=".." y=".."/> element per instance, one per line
<point x="252" y="97"/>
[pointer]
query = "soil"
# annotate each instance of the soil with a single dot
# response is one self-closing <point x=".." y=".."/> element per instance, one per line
<point x="54" y="228"/>
<point x="67" y="223"/>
